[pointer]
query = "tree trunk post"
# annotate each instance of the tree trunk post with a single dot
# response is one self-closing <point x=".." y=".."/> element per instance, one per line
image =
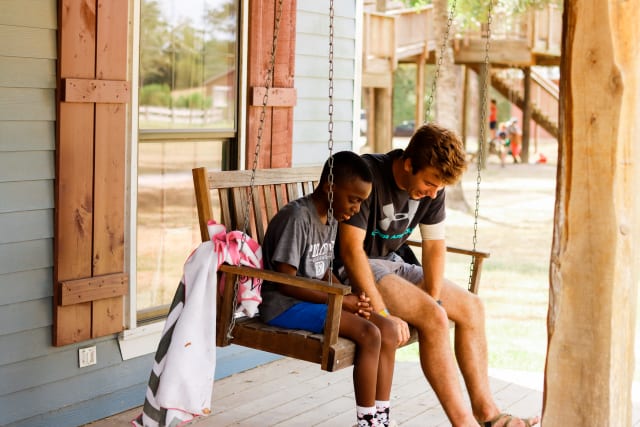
<point x="596" y="243"/>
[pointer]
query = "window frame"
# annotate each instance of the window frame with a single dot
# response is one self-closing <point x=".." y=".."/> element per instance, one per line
<point x="140" y="338"/>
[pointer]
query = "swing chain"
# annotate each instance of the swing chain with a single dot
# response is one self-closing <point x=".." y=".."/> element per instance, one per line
<point x="443" y="48"/>
<point x="481" y="137"/>
<point x="330" y="127"/>
<point x="263" y="113"/>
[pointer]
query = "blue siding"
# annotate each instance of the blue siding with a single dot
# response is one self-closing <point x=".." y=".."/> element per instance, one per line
<point x="310" y="130"/>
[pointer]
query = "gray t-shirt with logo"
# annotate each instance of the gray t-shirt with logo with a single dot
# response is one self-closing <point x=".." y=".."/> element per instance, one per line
<point x="389" y="215"/>
<point x="295" y="236"/>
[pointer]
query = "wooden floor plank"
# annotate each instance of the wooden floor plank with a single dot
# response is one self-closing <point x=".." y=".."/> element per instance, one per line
<point x="291" y="393"/>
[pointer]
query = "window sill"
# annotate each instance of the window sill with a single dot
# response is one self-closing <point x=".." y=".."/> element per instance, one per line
<point x="141" y="340"/>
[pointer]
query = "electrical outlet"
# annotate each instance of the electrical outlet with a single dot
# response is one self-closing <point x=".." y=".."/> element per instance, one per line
<point x="87" y="356"/>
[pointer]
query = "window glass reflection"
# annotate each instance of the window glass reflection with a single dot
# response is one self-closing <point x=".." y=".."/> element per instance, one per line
<point x="188" y="64"/>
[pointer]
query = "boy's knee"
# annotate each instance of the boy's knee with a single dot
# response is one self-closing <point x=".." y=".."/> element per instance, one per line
<point x="433" y="318"/>
<point x="473" y="309"/>
<point x="370" y="335"/>
<point x="389" y="334"/>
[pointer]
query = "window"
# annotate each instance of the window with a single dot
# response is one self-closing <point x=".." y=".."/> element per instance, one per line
<point x="187" y="117"/>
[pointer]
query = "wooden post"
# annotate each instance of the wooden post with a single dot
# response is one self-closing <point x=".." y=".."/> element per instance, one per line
<point x="526" y="115"/>
<point x="420" y="89"/>
<point x="483" y="119"/>
<point x="383" y="133"/>
<point x="595" y="253"/>
<point x="465" y="99"/>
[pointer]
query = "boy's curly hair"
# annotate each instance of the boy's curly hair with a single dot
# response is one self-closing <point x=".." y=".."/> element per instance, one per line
<point x="347" y="166"/>
<point x="439" y="147"/>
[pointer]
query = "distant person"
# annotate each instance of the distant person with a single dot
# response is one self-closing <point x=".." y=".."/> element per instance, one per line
<point x="498" y="146"/>
<point x="299" y="241"/>
<point x="493" y="118"/>
<point x="515" y="139"/>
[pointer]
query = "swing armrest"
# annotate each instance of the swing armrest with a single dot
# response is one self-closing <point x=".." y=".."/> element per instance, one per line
<point x="287" y="279"/>
<point x="335" y="293"/>
<point x="477" y="256"/>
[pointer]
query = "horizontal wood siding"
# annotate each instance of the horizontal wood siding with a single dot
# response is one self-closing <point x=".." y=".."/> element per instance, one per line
<point x="39" y="285"/>
<point x="27" y="72"/>
<point x="24" y="316"/>
<point x="311" y="114"/>
<point x="27" y="136"/>
<point x="25" y="195"/>
<point x="28" y="42"/>
<point x="21" y="256"/>
<point x="41" y="166"/>
<point x="24" y="226"/>
<point x="27" y="104"/>
<point x="77" y="392"/>
<point x="29" y="13"/>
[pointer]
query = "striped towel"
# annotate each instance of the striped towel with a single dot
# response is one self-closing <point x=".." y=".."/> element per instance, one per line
<point x="181" y="381"/>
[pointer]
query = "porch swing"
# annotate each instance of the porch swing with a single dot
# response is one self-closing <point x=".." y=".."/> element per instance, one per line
<point x="247" y="200"/>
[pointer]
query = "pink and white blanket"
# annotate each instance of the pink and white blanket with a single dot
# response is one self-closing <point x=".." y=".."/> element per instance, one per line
<point x="181" y="381"/>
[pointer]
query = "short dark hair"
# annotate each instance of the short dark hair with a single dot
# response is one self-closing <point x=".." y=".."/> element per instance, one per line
<point x="438" y="147"/>
<point x="347" y="165"/>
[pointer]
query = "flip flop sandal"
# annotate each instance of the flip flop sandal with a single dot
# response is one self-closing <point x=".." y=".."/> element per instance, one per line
<point x="492" y="422"/>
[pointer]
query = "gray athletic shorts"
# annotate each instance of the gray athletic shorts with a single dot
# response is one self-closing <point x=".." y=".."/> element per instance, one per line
<point x="392" y="264"/>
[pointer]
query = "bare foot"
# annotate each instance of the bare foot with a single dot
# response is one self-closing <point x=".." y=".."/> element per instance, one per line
<point x="504" y="420"/>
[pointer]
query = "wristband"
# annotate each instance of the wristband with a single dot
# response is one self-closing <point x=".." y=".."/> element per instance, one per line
<point x="384" y="312"/>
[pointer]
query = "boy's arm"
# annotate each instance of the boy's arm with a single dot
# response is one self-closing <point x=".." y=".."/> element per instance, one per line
<point x="351" y="303"/>
<point x="356" y="264"/>
<point x="299" y="293"/>
<point x="433" y="257"/>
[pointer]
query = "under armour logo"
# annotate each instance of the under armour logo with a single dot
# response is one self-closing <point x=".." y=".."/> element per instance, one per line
<point x="390" y="214"/>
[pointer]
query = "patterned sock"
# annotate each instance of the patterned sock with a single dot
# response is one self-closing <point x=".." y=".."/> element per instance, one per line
<point x="382" y="412"/>
<point x="366" y="416"/>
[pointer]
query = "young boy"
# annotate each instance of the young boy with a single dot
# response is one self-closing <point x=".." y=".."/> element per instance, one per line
<point x="299" y="241"/>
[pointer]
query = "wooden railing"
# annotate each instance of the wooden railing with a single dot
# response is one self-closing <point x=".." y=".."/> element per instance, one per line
<point x="407" y="34"/>
<point x="397" y="34"/>
<point x="541" y="30"/>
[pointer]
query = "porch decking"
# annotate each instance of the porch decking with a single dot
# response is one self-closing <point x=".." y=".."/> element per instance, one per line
<point x="289" y="392"/>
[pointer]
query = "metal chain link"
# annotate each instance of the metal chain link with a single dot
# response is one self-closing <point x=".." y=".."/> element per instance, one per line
<point x="481" y="137"/>
<point x="436" y="75"/>
<point x="330" y="126"/>
<point x="263" y="113"/>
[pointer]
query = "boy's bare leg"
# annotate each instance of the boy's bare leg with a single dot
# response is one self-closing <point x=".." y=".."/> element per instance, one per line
<point x="467" y="311"/>
<point x="408" y="302"/>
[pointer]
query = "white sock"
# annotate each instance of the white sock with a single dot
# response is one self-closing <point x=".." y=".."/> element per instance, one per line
<point x="366" y="415"/>
<point x="382" y="412"/>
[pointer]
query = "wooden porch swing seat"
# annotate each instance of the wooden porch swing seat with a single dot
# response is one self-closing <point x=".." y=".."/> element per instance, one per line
<point x="228" y="192"/>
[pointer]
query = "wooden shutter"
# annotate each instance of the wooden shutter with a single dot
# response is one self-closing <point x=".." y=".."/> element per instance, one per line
<point x="89" y="277"/>
<point x="276" y="146"/>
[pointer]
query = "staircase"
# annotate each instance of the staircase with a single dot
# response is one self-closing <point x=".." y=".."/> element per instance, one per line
<point x="545" y="111"/>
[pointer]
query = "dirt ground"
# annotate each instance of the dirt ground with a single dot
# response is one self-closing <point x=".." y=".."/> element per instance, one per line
<point x="515" y="224"/>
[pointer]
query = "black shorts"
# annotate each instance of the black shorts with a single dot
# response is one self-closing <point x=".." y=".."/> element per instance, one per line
<point x="492" y="125"/>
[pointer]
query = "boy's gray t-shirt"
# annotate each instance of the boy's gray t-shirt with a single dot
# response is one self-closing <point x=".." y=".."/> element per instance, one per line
<point x="295" y="236"/>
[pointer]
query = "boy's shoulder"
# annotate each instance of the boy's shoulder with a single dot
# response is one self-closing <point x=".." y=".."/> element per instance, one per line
<point x="296" y="209"/>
